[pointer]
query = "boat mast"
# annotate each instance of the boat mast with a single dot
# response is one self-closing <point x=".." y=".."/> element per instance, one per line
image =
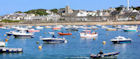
<point x="127" y="4"/>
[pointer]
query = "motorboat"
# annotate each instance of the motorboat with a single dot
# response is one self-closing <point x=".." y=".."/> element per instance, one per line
<point x="130" y="28"/>
<point x="105" y="55"/>
<point x="121" y="39"/>
<point x="54" y="40"/>
<point x="60" y="33"/>
<point x="22" y="34"/>
<point x="39" y="27"/>
<point x="88" y="34"/>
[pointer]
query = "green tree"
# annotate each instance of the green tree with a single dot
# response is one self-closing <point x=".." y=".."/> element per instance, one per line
<point x="18" y="12"/>
<point x="37" y="12"/>
<point x="54" y="10"/>
<point x="119" y="8"/>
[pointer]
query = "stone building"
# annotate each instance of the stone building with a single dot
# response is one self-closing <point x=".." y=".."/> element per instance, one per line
<point x="68" y="11"/>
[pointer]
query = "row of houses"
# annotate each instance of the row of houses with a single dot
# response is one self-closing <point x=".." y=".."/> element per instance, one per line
<point x="67" y="14"/>
<point x="30" y="17"/>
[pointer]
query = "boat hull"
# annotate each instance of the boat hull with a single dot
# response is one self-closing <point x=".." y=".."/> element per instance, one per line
<point x="9" y="34"/>
<point x="54" y="41"/>
<point x="130" y="30"/>
<point x="23" y="36"/>
<point x="119" y="42"/>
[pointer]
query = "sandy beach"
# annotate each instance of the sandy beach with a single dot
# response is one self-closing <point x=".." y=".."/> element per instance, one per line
<point x="79" y="23"/>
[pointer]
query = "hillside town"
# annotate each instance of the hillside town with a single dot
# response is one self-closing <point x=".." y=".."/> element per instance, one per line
<point x="69" y="15"/>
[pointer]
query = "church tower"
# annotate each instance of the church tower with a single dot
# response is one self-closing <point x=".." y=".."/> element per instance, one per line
<point x="68" y="10"/>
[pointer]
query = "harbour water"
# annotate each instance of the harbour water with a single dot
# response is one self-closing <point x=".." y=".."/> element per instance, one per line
<point x="75" y="48"/>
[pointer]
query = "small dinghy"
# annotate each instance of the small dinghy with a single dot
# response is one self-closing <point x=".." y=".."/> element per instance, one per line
<point x="105" y="55"/>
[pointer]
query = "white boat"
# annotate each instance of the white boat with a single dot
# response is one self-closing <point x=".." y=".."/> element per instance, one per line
<point x="29" y="26"/>
<point x="4" y="27"/>
<point x="54" y="40"/>
<point x="130" y="28"/>
<point x="111" y="29"/>
<point x="33" y="30"/>
<point x="2" y="44"/>
<point x="39" y="27"/>
<point x="121" y="39"/>
<point x="22" y="34"/>
<point x="52" y="33"/>
<point x="104" y="27"/>
<point x="88" y="34"/>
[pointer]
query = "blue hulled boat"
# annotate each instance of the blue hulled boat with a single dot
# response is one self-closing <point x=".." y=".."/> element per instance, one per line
<point x="121" y="39"/>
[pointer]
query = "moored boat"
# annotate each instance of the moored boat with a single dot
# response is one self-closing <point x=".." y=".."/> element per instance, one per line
<point x="121" y="39"/>
<point x="105" y="55"/>
<point x="130" y="28"/>
<point x="88" y="34"/>
<point x="64" y="33"/>
<point x="56" y="28"/>
<point x="54" y="40"/>
<point x="22" y="34"/>
<point x="39" y="27"/>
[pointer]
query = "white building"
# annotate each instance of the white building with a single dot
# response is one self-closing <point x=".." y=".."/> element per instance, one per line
<point x="82" y="13"/>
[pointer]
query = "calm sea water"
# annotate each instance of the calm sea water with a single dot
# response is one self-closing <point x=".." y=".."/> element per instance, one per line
<point x="75" y="48"/>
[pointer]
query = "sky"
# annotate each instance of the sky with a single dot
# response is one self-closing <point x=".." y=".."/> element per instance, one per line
<point x="11" y="6"/>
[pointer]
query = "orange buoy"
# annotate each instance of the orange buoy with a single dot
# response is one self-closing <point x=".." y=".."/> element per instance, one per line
<point x="6" y="40"/>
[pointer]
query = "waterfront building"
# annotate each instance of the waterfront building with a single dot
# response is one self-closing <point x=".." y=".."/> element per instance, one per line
<point x="68" y="11"/>
<point x="82" y="13"/>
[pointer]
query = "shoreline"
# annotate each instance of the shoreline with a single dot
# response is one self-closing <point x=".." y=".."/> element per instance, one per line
<point x="78" y="23"/>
